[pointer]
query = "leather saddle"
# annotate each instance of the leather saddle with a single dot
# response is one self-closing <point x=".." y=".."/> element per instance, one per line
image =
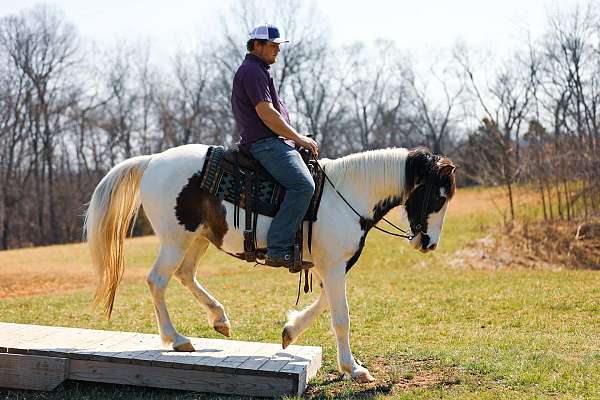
<point x="235" y="176"/>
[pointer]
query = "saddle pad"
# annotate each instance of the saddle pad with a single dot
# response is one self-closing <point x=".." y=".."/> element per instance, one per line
<point x="221" y="182"/>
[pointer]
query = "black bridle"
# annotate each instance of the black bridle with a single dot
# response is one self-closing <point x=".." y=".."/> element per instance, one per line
<point x="415" y="230"/>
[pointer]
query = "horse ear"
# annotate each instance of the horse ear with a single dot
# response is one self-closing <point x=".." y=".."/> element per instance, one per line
<point x="446" y="167"/>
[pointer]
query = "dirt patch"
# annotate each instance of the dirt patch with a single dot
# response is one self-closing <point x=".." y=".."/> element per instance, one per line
<point x="393" y="374"/>
<point x="30" y="282"/>
<point x="552" y="245"/>
<point x="61" y="268"/>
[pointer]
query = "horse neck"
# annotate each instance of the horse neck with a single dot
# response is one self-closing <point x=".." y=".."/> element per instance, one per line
<point x="372" y="182"/>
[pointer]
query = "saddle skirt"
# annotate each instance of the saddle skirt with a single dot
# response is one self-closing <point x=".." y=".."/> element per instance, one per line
<point x="235" y="176"/>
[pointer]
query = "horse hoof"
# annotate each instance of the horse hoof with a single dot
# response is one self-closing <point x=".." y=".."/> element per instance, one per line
<point x="286" y="337"/>
<point x="362" y="376"/>
<point x="223" y="330"/>
<point x="185" y="347"/>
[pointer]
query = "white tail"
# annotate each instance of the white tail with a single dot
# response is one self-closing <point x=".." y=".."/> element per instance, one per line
<point x="113" y="206"/>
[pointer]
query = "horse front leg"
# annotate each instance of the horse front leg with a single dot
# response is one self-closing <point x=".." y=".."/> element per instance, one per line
<point x="299" y="321"/>
<point x="334" y="282"/>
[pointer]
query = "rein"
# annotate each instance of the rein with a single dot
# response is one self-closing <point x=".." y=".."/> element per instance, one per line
<point x="404" y="233"/>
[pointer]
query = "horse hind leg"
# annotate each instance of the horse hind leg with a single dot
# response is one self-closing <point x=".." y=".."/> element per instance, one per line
<point x="166" y="264"/>
<point x="186" y="275"/>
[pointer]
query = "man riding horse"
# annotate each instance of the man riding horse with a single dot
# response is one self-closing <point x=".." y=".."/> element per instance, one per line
<point x="265" y="130"/>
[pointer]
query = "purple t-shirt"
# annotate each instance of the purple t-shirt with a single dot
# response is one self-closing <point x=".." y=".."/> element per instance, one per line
<point x="252" y="84"/>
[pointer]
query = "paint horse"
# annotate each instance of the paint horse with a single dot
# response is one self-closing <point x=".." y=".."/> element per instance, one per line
<point x="187" y="219"/>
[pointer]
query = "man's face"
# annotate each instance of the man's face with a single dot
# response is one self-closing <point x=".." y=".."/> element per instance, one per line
<point x="268" y="52"/>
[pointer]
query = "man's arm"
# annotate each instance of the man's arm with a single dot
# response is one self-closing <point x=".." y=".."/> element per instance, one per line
<point x="273" y="119"/>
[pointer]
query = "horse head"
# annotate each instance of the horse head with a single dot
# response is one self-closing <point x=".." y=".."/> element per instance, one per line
<point x="430" y="184"/>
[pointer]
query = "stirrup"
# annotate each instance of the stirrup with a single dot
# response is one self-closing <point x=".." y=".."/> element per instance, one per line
<point x="304" y="266"/>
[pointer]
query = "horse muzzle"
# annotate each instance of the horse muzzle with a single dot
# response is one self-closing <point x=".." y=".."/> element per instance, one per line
<point x="422" y="242"/>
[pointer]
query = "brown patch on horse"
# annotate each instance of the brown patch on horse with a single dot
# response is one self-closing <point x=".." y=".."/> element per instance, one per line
<point x="421" y="165"/>
<point x="424" y="170"/>
<point x="196" y="207"/>
<point x="445" y="172"/>
<point x="418" y="162"/>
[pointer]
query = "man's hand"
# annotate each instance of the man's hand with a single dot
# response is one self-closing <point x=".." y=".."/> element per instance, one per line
<point x="271" y="117"/>
<point x="308" y="143"/>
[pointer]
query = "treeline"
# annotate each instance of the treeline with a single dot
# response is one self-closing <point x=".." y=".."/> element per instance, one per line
<point x="541" y="123"/>
<point x="69" y="109"/>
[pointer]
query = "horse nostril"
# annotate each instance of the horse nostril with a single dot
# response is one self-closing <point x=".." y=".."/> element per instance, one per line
<point x="432" y="246"/>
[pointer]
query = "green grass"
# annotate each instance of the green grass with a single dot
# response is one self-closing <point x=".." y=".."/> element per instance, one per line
<point x="425" y="329"/>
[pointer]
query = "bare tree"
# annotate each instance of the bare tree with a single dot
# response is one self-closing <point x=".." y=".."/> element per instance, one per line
<point x="15" y="170"/>
<point x="373" y="93"/>
<point x="436" y="120"/>
<point x="318" y="89"/>
<point x="505" y="104"/>
<point x="41" y="44"/>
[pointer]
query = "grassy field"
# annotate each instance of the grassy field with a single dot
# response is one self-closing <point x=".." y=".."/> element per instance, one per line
<point x="425" y="327"/>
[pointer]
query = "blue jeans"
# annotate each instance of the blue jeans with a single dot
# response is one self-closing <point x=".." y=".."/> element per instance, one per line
<point x="285" y="164"/>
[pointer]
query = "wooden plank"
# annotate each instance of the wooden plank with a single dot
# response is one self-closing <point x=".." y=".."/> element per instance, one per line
<point x="8" y="330"/>
<point x="235" y="362"/>
<point x="276" y="363"/>
<point x="170" y="378"/>
<point x="166" y="358"/>
<point x="8" y="333"/>
<point x="51" y="339"/>
<point x="279" y="360"/>
<point x="206" y="349"/>
<point x="20" y="371"/>
<point x="242" y="354"/>
<point x="259" y="357"/>
<point x="315" y="364"/>
<point x="139" y="346"/>
<point x="14" y="336"/>
<point x="209" y="353"/>
<point x="127" y="343"/>
<point x="299" y="371"/>
<point x="70" y="342"/>
<point x="304" y="366"/>
<point x="106" y="349"/>
<point x="19" y="343"/>
<point x="232" y="348"/>
<point x="95" y="346"/>
<point x="187" y="360"/>
<point x="31" y="335"/>
<point x="146" y="357"/>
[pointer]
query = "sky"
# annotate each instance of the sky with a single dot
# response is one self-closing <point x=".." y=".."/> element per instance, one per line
<point x="415" y="25"/>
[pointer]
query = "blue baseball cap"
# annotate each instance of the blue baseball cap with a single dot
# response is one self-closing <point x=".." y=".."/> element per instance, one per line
<point x="267" y="32"/>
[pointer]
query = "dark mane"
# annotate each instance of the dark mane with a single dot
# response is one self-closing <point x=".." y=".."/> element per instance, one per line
<point x="421" y="165"/>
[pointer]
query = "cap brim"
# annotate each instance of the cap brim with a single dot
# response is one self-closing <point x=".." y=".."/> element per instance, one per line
<point x="279" y="40"/>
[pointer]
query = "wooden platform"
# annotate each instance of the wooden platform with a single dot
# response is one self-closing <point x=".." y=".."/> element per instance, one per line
<point x="41" y="357"/>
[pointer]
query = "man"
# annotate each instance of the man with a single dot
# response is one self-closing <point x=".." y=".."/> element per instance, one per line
<point x="264" y="126"/>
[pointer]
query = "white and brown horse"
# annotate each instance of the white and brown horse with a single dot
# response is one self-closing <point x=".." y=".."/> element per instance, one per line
<point x="187" y="219"/>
